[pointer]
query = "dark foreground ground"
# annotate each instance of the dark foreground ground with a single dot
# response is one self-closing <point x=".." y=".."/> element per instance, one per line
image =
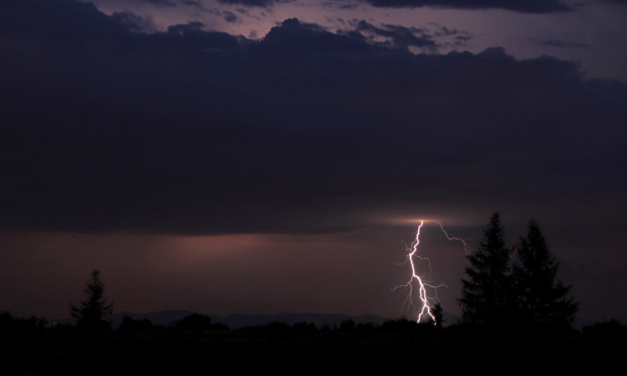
<point x="314" y="353"/>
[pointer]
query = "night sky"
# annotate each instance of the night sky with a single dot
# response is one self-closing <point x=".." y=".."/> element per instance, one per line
<point x="260" y="156"/>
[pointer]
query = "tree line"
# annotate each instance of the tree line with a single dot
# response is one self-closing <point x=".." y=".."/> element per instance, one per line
<point x="502" y="291"/>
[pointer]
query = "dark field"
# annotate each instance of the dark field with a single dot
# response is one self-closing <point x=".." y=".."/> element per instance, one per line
<point x="286" y="351"/>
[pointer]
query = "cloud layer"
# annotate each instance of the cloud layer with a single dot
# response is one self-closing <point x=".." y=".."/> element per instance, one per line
<point x="189" y="131"/>
<point x="523" y="6"/>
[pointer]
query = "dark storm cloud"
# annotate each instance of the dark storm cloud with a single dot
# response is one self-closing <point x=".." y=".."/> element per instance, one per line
<point x="134" y="22"/>
<point x="160" y="3"/>
<point x="225" y="14"/>
<point x="63" y="19"/>
<point x="189" y="131"/>
<point x="399" y="36"/>
<point x="174" y="3"/>
<point x="559" y="43"/>
<point x="254" y="3"/>
<point x="195" y="4"/>
<point x="460" y="37"/>
<point x="229" y="16"/>
<point x="523" y="6"/>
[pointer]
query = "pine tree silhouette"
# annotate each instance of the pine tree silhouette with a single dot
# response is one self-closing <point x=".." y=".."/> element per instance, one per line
<point x="541" y="298"/>
<point x="487" y="292"/>
<point x="90" y="312"/>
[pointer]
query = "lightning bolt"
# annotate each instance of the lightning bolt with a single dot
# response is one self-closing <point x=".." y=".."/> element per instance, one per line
<point x="466" y="246"/>
<point x="423" y="297"/>
<point x="425" y="308"/>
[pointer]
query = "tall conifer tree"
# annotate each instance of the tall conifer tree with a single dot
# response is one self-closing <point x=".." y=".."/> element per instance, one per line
<point x="487" y="292"/>
<point x="541" y="298"/>
<point x="90" y="313"/>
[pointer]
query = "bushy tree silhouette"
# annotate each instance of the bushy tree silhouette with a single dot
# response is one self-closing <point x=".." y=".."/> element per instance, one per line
<point x="132" y="326"/>
<point x="347" y="325"/>
<point x="195" y="321"/>
<point x="541" y="299"/>
<point x="487" y="292"/>
<point x="23" y="327"/>
<point x="607" y="332"/>
<point x="90" y="313"/>
<point x="400" y="325"/>
<point x="198" y="322"/>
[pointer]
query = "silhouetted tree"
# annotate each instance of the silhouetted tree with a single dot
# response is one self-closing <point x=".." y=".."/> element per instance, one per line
<point x="195" y="321"/>
<point x="367" y="327"/>
<point x="347" y="325"/>
<point x="603" y="343"/>
<point x="23" y="327"/>
<point x="607" y="332"/>
<point x="90" y="312"/>
<point x="132" y="326"/>
<point x="438" y="313"/>
<point x="541" y="298"/>
<point x="400" y="325"/>
<point x="275" y="329"/>
<point x="304" y="327"/>
<point x="487" y="292"/>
